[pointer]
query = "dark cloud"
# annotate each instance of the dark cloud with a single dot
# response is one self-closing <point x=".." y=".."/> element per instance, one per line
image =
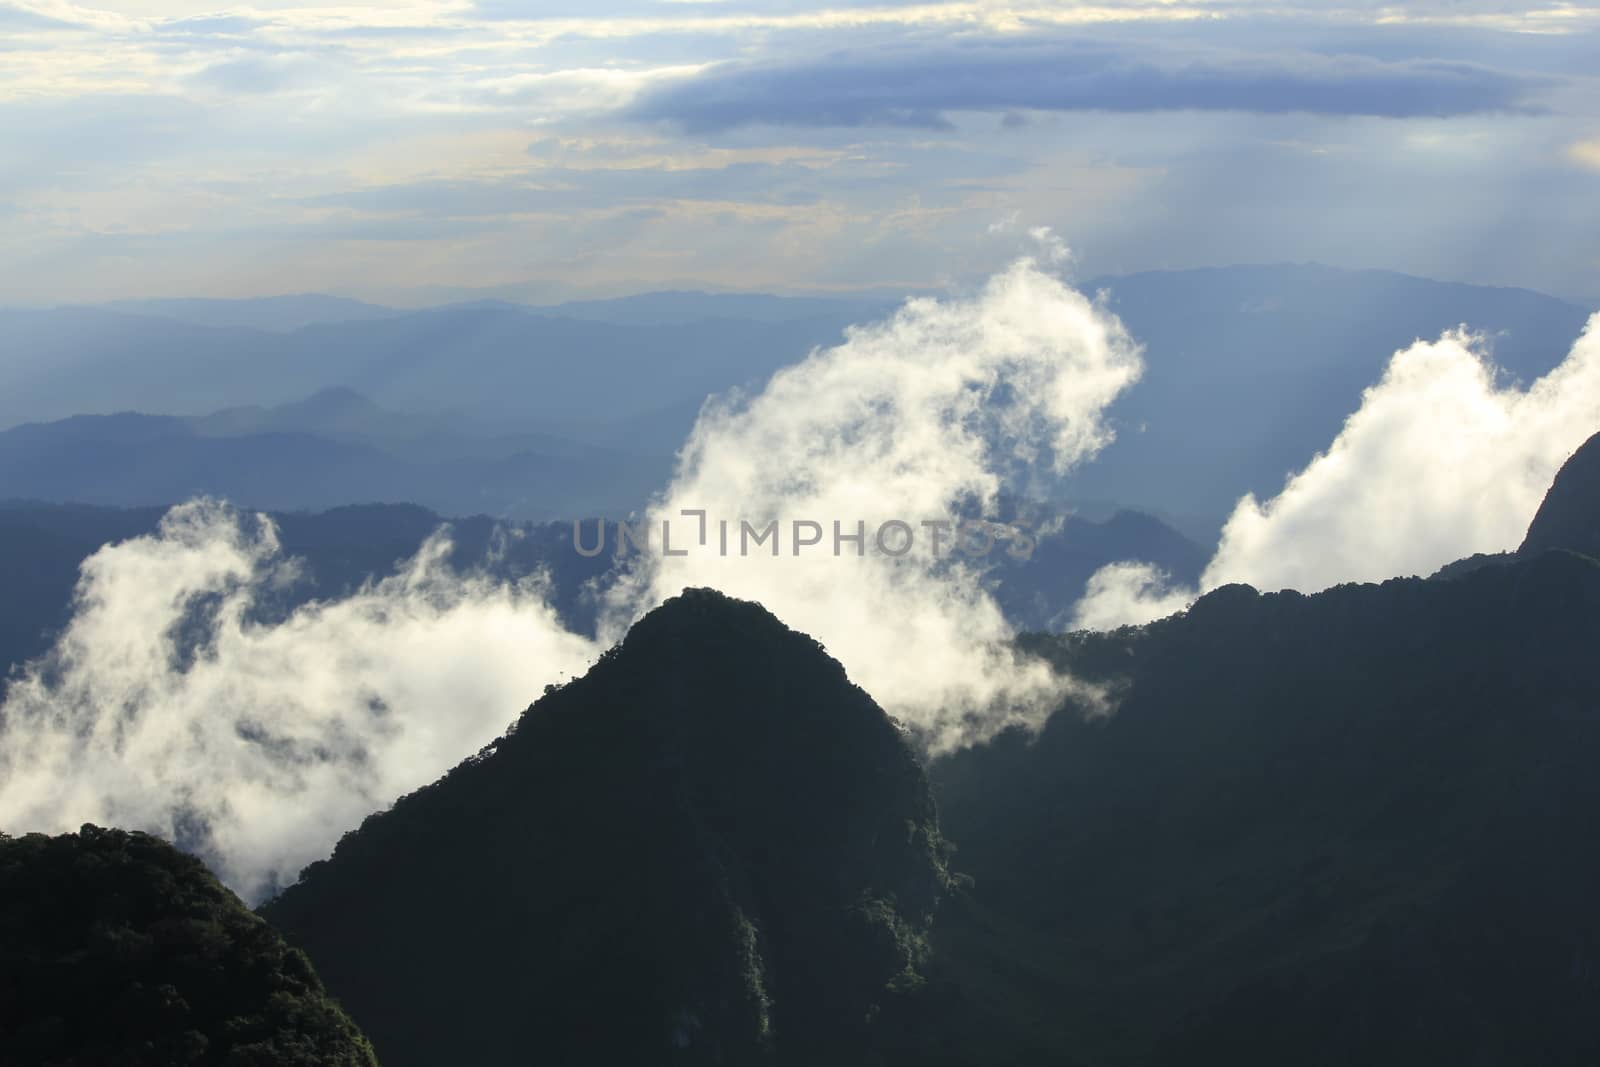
<point x="921" y="88"/>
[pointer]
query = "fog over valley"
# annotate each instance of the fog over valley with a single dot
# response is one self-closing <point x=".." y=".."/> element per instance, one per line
<point x="958" y="533"/>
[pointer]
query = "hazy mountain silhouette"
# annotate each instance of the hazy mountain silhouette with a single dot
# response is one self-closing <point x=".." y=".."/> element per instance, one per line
<point x="1251" y="369"/>
<point x="494" y="363"/>
<point x="331" y="449"/>
<point x="710" y="848"/>
<point x="116" y="948"/>
<point x="278" y="314"/>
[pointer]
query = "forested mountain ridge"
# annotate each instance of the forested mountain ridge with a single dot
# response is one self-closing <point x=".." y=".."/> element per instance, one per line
<point x="710" y="848"/>
<point x="1354" y="827"/>
<point x="116" y="948"/>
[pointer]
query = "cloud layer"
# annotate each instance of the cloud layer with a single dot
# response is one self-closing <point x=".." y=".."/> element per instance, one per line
<point x="1443" y="460"/>
<point x="923" y="87"/>
<point x="924" y="418"/>
<point x="165" y="707"/>
<point x="166" y="148"/>
<point x="172" y="704"/>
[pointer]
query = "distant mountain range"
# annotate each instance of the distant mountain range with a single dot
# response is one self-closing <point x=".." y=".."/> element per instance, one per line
<point x="333" y="448"/>
<point x="118" y="948"/>
<point x="1252" y="370"/>
<point x="42" y="545"/>
<point x="276" y="314"/>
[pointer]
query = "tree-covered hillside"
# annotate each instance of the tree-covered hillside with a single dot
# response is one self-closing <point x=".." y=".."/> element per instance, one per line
<point x="712" y="848"/>
<point x="116" y="949"/>
<point x="1355" y="827"/>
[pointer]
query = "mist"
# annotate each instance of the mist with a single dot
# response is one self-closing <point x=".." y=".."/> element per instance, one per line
<point x="1444" y="459"/>
<point x="920" y="420"/>
<point x="173" y="703"/>
<point x="166" y="706"/>
<point x="842" y="496"/>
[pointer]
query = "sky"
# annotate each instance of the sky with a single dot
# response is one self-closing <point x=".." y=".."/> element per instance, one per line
<point x="405" y="152"/>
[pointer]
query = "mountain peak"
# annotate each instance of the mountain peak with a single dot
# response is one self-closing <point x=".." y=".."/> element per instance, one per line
<point x="1569" y="518"/>
<point x="711" y="847"/>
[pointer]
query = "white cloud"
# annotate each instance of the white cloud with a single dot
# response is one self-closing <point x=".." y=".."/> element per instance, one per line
<point x="1128" y="594"/>
<point x="901" y="423"/>
<point x="1442" y="461"/>
<point x="164" y="707"/>
<point x="1585" y="153"/>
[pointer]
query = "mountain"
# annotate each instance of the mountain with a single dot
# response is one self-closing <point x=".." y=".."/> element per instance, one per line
<point x="42" y="546"/>
<point x="344" y="415"/>
<point x="494" y="363"/>
<point x="331" y="449"/>
<point x="277" y="314"/>
<point x="1569" y="518"/>
<point x="1354" y="827"/>
<point x="1251" y="369"/>
<point x="710" y="848"/>
<point x="115" y="948"/>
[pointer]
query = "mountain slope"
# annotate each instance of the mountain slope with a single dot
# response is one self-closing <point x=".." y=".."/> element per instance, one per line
<point x="711" y="848"/>
<point x="331" y="450"/>
<point x="1354" y="827"/>
<point x="1251" y="369"/>
<point x="115" y="948"/>
<point x="1569" y="517"/>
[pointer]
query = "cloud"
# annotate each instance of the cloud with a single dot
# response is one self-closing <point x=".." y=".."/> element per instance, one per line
<point x="20" y="17"/>
<point x="919" y="419"/>
<point x="576" y="91"/>
<point x="166" y="706"/>
<point x="1128" y="594"/>
<point x="175" y="701"/>
<point x="1441" y="461"/>
<point x="921" y="87"/>
<point x="1585" y="153"/>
